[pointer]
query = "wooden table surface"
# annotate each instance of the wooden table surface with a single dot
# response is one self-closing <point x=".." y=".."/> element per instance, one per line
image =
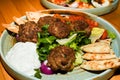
<point x="10" y="8"/>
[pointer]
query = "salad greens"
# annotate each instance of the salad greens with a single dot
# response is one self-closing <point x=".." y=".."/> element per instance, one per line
<point x="67" y="40"/>
<point x="111" y="34"/>
<point x="79" y="59"/>
<point x="37" y="73"/>
<point x="46" y="42"/>
<point x="75" y="40"/>
<point x="70" y="1"/>
<point x="86" y="1"/>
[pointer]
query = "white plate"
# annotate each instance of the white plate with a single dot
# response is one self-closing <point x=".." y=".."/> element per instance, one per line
<point x="96" y="11"/>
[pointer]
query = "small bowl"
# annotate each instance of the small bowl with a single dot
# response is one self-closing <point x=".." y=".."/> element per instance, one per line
<point x="96" y="11"/>
<point x="7" y="41"/>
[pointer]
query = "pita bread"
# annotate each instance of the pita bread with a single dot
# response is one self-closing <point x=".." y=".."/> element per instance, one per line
<point x="98" y="47"/>
<point x="89" y="56"/>
<point x="101" y="65"/>
<point x="19" y="21"/>
<point x="12" y="28"/>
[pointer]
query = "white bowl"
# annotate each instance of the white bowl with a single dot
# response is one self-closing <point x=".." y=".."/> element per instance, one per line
<point x="96" y="11"/>
<point x="7" y="41"/>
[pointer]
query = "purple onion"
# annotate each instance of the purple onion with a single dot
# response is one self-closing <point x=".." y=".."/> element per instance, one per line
<point x="45" y="69"/>
<point x="17" y="37"/>
<point x="66" y="5"/>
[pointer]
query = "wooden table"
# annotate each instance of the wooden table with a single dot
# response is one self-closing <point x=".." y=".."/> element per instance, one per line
<point x="10" y="8"/>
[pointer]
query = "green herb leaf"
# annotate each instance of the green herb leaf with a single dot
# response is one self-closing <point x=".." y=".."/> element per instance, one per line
<point x="45" y="27"/>
<point x="111" y="35"/>
<point x="37" y="73"/>
<point x="53" y="46"/>
<point x="66" y="41"/>
<point x="86" y="1"/>
<point x="79" y="59"/>
<point x="74" y="46"/>
<point x="82" y="39"/>
<point x="69" y="1"/>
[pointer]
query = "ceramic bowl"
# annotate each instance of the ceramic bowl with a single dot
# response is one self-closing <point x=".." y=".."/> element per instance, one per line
<point x="96" y="11"/>
<point x="7" y="41"/>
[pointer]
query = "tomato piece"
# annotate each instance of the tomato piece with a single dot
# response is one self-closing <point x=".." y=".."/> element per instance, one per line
<point x="92" y="23"/>
<point x="58" y="1"/>
<point x="63" y="19"/>
<point x="75" y="18"/>
<point x="104" y="36"/>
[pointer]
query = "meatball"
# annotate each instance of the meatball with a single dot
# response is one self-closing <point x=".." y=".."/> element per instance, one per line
<point x="61" y="58"/>
<point x="59" y="29"/>
<point x="49" y="20"/>
<point x="28" y="32"/>
<point x="79" y="25"/>
<point x="56" y="27"/>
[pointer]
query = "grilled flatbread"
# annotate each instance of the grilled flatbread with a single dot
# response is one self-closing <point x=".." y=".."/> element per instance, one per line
<point x="94" y="56"/>
<point x="98" y="47"/>
<point x="19" y="21"/>
<point x="12" y="28"/>
<point x="34" y="16"/>
<point x="101" y="65"/>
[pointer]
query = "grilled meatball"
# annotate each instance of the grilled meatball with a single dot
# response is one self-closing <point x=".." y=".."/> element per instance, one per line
<point x="49" y="20"/>
<point x="59" y="29"/>
<point x="56" y="27"/>
<point x="61" y="58"/>
<point x="28" y="32"/>
<point x="80" y="25"/>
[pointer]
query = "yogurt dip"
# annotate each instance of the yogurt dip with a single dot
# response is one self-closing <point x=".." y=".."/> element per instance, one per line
<point x="23" y="57"/>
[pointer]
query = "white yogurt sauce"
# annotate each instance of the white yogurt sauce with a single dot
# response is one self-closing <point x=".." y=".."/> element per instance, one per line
<point x="23" y="57"/>
<point x="104" y="4"/>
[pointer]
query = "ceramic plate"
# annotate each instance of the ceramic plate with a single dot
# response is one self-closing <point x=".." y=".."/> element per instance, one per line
<point x="7" y="41"/>
<point x="96" y="11"/>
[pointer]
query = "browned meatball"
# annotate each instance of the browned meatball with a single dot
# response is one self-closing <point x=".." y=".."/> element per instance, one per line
<point x="79" y="25"/>
<point x="56" y="27"/>
<point x="49" y="20"/>
<point x="61" y="58"/>
<point x="59" y="29"/>
<point x="28" y="32"/>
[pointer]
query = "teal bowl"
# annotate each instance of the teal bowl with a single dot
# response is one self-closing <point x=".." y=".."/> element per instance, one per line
<point x="7" y="41"/>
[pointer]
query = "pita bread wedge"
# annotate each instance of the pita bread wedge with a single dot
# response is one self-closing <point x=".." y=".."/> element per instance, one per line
<point x="19" y="21"/>
<point x="101" y="65"/>
<point x="34" y="16"/>
<point x="12" y="28"/>
<point x="98" y="47"/>
<point x="94" y="56"/>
